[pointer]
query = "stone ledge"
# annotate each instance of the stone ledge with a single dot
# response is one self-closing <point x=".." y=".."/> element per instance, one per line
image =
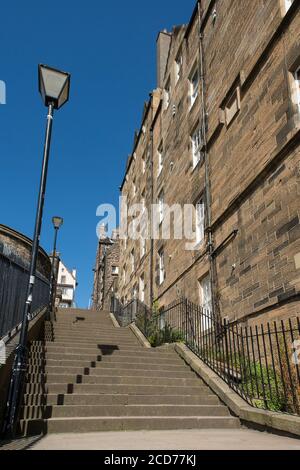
<point x="114" y="320"/>
<point x="142" y="339"/>
<point x="268" y="419"/>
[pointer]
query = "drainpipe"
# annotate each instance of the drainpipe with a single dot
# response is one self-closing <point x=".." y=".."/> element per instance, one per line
<point x="151" y="221"/>
<point x="203" y="124"/>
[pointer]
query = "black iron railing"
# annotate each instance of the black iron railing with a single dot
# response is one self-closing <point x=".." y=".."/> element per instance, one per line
<point x="13" y="287"/>
<point x="134" y="311"/>
<point x="261" y="363"/>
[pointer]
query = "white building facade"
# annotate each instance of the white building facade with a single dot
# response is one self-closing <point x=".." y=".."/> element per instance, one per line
<point x="66" y="285"/>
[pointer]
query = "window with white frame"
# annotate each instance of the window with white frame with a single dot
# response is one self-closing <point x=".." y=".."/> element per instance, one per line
<point x="161" y="266"/>
<point x="142" y="288"/>
<point x="200" y="220"/>
<point x="178" y="66"/>
<point x="167" y="93"/>
<point x="143" y="204"/>
<point x="160" y="159"/>
<point x="132" y="261"/>
<point x="206" y="302"/>
<point x="194" y="86"/>
<point x="297" y="86"/>
<point x="134" y="187"/>
<point x="197" y="144"/>
<point x="161" y="200"/>
<point x="143" y="246"/>
<point x="288" y="4"/>
<point x="114" y="270"/>
<point x="134" y="292"/>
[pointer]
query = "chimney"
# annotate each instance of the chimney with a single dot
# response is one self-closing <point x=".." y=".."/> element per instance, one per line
<point x="163" y="48"/>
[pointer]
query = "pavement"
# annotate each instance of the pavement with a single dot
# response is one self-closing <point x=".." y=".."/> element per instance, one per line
<point x="240" y="439"/>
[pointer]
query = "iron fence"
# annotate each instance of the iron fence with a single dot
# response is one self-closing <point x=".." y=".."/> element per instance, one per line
<point x="13" y="288"/>
<point x="134" y="311"/>
<point x="261" y="363"/>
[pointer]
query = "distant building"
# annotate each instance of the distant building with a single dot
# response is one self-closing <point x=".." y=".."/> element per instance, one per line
<point x="66" y="286"/>
<point x="106" y="271"/>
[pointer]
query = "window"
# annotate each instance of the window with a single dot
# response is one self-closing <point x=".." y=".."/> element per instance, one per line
<point x="288" y="4"/>
<point x="132" y="261"/>
<point x="142" y="288"/>
<point x="134" y="292"/>
<point x="167" y="93"/>
<point x="200" y="221"/>
<point x="206" y="302"/>
<point x="194" y="86"/>
<point x="160" y="157"/>
<point x="143" y="165"/>
<point x="233" y="106"/>
<point x="197" y="146"/>
<point x="134" y="187"/>
<point x="297" y="85"/>
<point x="178" y="67"/>
<point x="143" y="246"/>
<point x="114" y="270"/>
<point x="161" y="266"/>
<point x="63" y="279"/>
<point x="143" y="201"/>
<point x="161" y="206"/>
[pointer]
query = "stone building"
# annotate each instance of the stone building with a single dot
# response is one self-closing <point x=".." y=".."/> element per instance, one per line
<point x="106" y="273"/>
<point x="221" y="132"/>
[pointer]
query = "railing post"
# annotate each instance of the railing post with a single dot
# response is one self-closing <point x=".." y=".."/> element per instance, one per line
<point x="227" y="366"/>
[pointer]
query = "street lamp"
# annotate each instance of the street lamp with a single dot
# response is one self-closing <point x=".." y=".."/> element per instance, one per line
<point x="57" y="223"/>
<point x="54" y="86"/>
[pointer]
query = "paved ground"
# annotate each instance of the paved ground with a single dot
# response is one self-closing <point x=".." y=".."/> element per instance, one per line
<point x="243" y="439"/>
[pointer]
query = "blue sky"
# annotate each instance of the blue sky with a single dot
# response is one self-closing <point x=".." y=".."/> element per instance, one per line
<point x="109" y="48"/>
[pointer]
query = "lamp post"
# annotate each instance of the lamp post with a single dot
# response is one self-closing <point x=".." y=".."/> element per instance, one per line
<point x="54" y="86"/>
<point x="57" y="223"/>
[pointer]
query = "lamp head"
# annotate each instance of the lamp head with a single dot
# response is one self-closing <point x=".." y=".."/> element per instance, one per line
<point x="54" y="86"/>
<point x="57" y="222"/>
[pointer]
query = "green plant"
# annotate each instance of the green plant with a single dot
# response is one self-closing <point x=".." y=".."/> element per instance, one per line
<point x="264" y="387"/>
<point x="164" y="336"/>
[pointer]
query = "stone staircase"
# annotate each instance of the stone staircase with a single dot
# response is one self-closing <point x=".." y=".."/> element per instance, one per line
<point x="95" y="377"/>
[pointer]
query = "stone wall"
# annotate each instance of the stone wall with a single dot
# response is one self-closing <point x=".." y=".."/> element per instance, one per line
<point x="17" y="247"/>
<point x="252" y="122"/>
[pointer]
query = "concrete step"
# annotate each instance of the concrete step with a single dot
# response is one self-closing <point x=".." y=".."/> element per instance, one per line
<point x="76" y="322"/>
<point x="113" y="389"/>
<point x="113" y="380"/>
<point x="94" y="340"/>
<point x="118" y="356"/>
<point x="96" y="327"/>
<point x="81" y="411"/>
<point x="79" y="349"/>
<point x="111" y="372"/>
<point x="143" y="423"/>
<point x="52" y="399"/>
<point x="41" y="364"/>
<point x="93" y="335"/>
